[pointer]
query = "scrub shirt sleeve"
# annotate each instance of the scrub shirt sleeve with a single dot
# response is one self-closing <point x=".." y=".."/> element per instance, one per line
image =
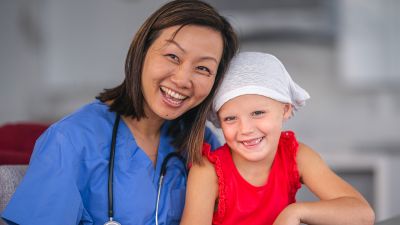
<point x="211" y="139"/>
<point x="48" y="194"/>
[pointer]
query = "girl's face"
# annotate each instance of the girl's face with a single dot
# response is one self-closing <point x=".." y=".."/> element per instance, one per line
<point x="252" y="126"/>
<point x="179" y="72"/>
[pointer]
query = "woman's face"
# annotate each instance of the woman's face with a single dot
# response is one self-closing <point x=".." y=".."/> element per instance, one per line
<point x="179" y="72"/>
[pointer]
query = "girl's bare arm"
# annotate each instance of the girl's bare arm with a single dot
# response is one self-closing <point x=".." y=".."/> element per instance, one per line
<point x="201" y="194"/>
<point x="339" y="203"/>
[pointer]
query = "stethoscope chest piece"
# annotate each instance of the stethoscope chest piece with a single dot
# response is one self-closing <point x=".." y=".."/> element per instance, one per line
<point x="112" y="223"/>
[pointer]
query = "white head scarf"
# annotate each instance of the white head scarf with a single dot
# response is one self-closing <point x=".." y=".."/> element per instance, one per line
<point x="261" y="74"/>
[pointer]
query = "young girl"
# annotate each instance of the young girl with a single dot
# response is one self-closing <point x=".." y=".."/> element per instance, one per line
<point x="254" y="177"/>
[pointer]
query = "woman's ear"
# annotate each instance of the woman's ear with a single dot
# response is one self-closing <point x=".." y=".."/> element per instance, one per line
<point x="287" y="111"/>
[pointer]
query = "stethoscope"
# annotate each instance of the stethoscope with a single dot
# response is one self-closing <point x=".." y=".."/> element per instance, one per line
<point x="163" y="171"/>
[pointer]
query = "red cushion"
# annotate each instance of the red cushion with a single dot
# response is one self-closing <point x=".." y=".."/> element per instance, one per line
<point x="10" y="157"/>
<point x="17" y="141"/>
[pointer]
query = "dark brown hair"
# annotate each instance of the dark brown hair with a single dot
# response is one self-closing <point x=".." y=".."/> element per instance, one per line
<point x="127" y="98"/>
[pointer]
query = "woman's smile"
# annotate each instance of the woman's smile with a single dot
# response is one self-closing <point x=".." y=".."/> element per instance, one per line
<point x="172" y="98"/>
<point x="179" y="70"/>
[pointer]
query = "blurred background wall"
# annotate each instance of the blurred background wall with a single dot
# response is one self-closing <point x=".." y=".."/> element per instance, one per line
<point x="56" y="55"/>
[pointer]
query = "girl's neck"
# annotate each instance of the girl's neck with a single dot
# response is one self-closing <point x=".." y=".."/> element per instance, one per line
<point x="256" y="173"/>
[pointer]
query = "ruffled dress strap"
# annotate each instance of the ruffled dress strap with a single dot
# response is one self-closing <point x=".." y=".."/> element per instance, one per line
<point x="216" y="158"/>
<point x="290" y="146"/>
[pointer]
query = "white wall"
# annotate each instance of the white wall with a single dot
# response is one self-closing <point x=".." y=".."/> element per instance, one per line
<point x="368" y="43"/>
<point x="20" y="59"/>
<point x="80" y="49"/>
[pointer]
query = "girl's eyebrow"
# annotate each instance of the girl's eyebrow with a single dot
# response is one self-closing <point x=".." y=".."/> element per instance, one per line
<point x="184" y="51"/>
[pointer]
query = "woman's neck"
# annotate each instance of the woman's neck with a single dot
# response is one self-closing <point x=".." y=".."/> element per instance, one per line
<point x="146" y="132"/>
<point x="147" y="127"/>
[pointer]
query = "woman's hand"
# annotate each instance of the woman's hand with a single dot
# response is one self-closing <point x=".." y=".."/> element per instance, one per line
<point x="288" y="216"/>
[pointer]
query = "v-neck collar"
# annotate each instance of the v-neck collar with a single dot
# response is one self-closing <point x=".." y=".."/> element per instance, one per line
<point x="164" y="147"/>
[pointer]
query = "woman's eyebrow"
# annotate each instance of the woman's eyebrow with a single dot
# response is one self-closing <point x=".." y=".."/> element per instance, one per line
<point x="184" y="51"/>
<point x="177" y="45"/>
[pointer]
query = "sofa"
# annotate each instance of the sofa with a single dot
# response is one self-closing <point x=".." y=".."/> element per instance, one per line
<point x="17" y="141"/>
<point x="10" y="176"/>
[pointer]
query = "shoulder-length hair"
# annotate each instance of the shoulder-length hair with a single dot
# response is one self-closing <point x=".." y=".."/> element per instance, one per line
<point x="127" y="98"/>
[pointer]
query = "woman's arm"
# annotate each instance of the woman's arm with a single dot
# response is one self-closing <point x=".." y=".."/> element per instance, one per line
<point x="339" y="202"/>
<point x="201" y="194"/>
<point x="48" y="193"/>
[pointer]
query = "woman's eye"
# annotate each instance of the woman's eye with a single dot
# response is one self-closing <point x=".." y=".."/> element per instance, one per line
<point x="204" y="69"/>
<point x="257" y="113"/>
<point x="173" y="57"/>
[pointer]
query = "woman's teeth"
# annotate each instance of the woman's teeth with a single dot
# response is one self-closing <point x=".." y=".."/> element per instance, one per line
<point x="173" y="94"/>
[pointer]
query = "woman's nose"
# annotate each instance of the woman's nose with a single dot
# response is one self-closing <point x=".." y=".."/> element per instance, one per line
<point x="182" y="77"/>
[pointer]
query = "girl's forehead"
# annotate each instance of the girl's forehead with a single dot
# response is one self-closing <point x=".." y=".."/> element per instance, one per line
<point x="249" y="101"/>
<point x="254" y="98"/>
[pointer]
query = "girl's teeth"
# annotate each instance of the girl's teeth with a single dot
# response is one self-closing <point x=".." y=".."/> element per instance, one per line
<point x="252" y="142"/>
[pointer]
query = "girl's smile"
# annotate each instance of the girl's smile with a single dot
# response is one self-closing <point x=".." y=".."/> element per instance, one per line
<point x="252" y="142"/>
<point x="253" y="131"/>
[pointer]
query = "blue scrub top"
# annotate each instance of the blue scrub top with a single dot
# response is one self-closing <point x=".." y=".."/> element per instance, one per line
<point x="66" y="182"/>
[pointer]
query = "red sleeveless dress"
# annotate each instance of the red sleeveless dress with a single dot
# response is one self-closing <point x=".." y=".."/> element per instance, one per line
<point x="242" y="203"/>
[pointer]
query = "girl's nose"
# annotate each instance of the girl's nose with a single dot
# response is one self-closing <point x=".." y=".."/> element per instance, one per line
<point x="182" y="77"/>
<point x="246" y="126"/>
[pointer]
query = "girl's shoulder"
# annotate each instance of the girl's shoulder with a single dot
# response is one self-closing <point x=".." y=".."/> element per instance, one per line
<point x="214" y="155"/>
<point x="206" y="170"/>
<point x="288" y="153"/>
<point x="288" y="137"/>
<point x="288" y="144"/>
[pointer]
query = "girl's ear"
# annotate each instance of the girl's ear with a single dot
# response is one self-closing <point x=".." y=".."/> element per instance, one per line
<point x="287" y="111"/>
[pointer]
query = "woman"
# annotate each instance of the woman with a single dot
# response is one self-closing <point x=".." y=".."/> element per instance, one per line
<point x="173" y="67"/>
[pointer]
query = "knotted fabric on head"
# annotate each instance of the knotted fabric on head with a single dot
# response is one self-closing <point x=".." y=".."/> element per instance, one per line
<point x="261" y="74"/>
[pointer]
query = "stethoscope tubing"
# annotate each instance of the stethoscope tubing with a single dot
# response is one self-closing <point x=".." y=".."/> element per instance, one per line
<point x="163" y="172"/>
<point x="111" y="169"/>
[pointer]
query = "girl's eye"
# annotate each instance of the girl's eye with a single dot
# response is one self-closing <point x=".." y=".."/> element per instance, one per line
<point x="204" y="69"/>
<point x="258" y="113"/>
<point x="229" y="118"/>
